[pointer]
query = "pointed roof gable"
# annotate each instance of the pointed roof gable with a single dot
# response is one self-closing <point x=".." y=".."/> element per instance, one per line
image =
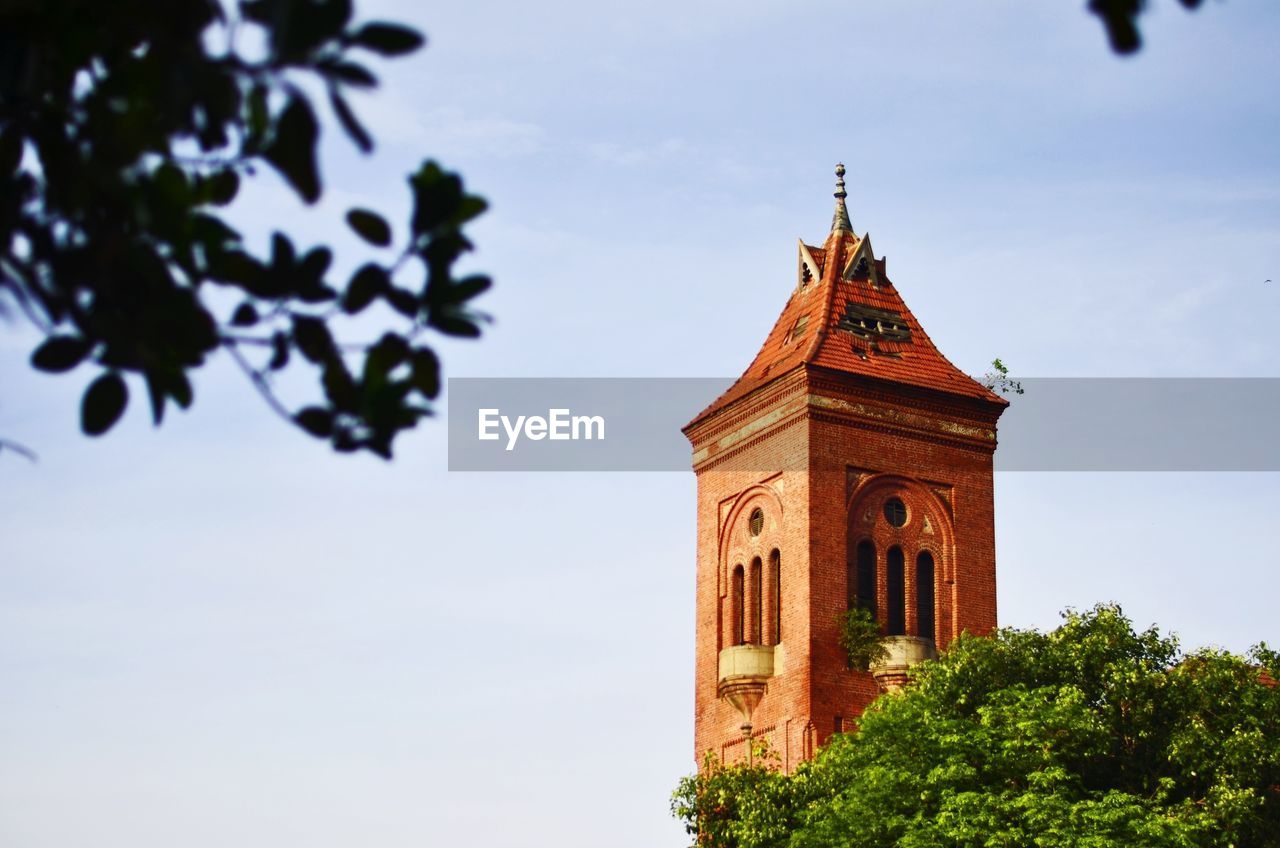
<point x="846" y="315"/>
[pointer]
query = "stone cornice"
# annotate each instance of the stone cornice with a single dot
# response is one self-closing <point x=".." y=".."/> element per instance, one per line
<point x="900" y="429"/>
<point x="719" y="458"/>
<point x="899" y="394"/>
<point x="731" y="418"/>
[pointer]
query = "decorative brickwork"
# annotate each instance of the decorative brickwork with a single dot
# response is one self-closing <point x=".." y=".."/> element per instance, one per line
<point x="838" y="435"/>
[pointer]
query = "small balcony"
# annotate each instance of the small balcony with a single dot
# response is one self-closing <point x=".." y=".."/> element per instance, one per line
<point x="743" y="678"/>
<point x="902" y="652"/>
<point x="741" y="662"/>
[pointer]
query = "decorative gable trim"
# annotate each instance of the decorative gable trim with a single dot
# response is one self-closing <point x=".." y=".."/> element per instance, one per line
<point x="862" y="263"/>
<point x="808" y="271"/>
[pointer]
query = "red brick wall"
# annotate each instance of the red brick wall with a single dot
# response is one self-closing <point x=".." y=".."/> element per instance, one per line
<point x="806" y="449"/>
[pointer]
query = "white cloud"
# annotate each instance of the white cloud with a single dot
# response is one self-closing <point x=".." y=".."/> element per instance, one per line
<point x="450" y="130"/>
<point x="630" y="155"/>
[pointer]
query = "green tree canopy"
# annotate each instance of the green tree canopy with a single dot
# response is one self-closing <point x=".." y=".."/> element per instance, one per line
<point x="1092" y="735"/>
<point x="127" y="126"/>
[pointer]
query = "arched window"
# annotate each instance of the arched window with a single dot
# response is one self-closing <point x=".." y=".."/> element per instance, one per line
<point x="775" y="581"/>
<point x="895" y="582"/>
<point x="924" y="595"/>
<point x="756" y="636"/>
<point x="736" y="607"/>
<point x="863" y="580"/>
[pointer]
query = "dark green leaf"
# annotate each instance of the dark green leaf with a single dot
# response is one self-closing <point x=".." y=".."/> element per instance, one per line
<point x="234" y="267"/>
<point x="455" y="325"/>
<point x="313" y="338"/>
<point x="469" y="287"/>
<point x="435" y="194"/>
<point x="387" y="39"/>
<point x="293" y="149"/>
<point x="212" y="231"/>
<point x="351" y="74"/>
<point x="10" y="150"/>
<point x="390" y="351"/>
<point x="370" y="226"/>
<point x="350" y="123"/>
<point x="283" y="257"/>
<point x="60" y="353"/>
<point x="223" y="187"/>
<point x="172" y="184"/>
<point x="298" y="28"/>
<point x="366" y="284"/>
<point x="403" y="301"/>
<point x="315" y="263"/>
<point x="179" y="388"/>
<point x="245" y="315"/>
<point x="316" y="421"/>
<point x="331" y="16"/>
<point x="156" y="393"/>
<point x="317" y="293"/>
<point x="279" y="352"/>
<point x="339" y="387"/>
<point x="310" y="284"/>
<point x="258" y="118"/>
<point x="1120" y="18"/>
<point x="259" y="11"/>
<point x="470" y="207"/>
<point x="426" y="371"/>
<point x="103" y="404"/>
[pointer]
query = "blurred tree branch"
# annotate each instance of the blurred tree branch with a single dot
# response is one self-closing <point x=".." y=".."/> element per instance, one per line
<point x="127" y="127"/>
<point x="1120" y="17"/>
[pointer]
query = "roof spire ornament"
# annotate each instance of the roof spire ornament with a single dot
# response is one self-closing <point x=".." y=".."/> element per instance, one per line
<point x="841" y="219"/>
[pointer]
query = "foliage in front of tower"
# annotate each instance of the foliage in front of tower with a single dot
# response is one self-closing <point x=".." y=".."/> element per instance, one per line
<point x="860" y="637"/>
<point x="1094" y="734"/>
<point x="738" y="805"/>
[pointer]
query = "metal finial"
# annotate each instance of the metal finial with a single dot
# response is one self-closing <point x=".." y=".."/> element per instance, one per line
<point x="841" y="219"/>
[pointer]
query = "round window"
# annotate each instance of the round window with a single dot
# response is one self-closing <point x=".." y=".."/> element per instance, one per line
<point x="756" y="523"/>
<point x="895" y="512"/>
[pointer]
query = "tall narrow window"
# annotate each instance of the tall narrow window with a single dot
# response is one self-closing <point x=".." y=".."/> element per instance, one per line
<point x="895" y="582"/>
<point x="736" y="607"/>
<point x="924" y="595"/>
<point x="864" y="577"/>
<point x="851" y="576"/>
<point x="756" y="636"/>
<point x="775" y="578"/>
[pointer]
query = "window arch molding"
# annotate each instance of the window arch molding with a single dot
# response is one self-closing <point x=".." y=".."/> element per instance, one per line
<point x="927" y="528"/>
<point x="737" y="546"/>
<point x="922" y="502"/>
<point x="733" y="529"/>
<point x="932" y="550"/>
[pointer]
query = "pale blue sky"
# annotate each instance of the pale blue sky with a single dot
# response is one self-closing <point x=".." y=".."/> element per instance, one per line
<point x="219" y="634"/>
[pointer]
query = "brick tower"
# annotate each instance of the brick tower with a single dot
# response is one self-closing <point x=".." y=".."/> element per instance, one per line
<point x="850" y="464"/>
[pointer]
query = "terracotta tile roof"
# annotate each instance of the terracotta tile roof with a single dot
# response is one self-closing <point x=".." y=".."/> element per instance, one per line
<point x="823" y="304"/>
